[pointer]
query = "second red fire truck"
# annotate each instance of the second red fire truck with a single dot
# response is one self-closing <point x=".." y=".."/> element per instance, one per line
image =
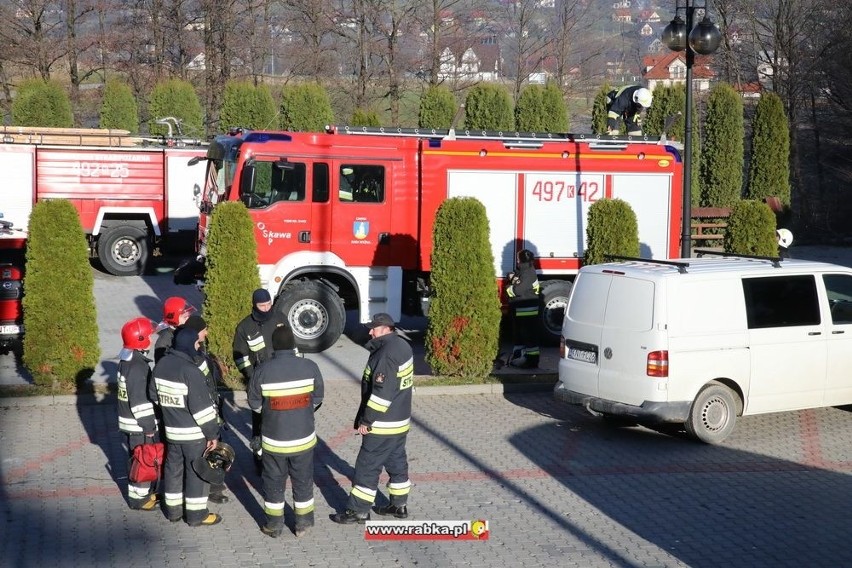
<point x="343" y="219"/>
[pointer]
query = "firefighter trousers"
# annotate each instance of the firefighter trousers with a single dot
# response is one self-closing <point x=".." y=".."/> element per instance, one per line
<point x="300" y="469"/>
<point x="137" y="492"/>
<point x="525" y="333"/>
<point x="184" y="492"/>
<point x="379" y="451"/>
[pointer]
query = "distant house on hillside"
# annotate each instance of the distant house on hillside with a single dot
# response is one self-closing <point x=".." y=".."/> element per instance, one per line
<point x="461" y="60"/>
<point x="670" y="69"/>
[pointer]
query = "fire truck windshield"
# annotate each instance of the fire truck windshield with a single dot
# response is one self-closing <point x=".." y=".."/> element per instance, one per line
<point x="266" y="182"/>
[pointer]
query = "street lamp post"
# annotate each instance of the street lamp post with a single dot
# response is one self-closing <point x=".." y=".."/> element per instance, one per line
<point x="704" y="39"/>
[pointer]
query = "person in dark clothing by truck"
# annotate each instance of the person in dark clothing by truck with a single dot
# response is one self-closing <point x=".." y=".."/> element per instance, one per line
<point x="523" y="290"/>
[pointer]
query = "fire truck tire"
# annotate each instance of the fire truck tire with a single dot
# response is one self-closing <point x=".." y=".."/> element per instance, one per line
<point x="315" y="314"/>
<point x="554" y="300"/>
<point x="123" y="250"/>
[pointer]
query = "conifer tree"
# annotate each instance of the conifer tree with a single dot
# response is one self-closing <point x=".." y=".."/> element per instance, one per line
<point x="488" y="106"/>
<point x="437" y="108"/>
<point x="305" y="108"/>
<point x="177" y="98"/>
<point x="42" y="103"/>
<point x="769" y="171"/>
<point x="722" y="156"/>
<point x="119" y="109"/>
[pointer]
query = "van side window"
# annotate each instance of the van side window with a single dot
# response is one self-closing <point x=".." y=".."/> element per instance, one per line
<point x="838" y="288"/>
<point x="781" y="301"/>
<point x="362" y="184"/>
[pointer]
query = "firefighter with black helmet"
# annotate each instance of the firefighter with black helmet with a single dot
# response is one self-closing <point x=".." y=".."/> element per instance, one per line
<point x="383" y="421"/>
<point x="191" y="427"/>
<point x="285" y="391"/>
<point x="136" y="416"/>
<point x="253" y="346"/>
<point x="626" y="105"/>
<point x="523" y="291"/>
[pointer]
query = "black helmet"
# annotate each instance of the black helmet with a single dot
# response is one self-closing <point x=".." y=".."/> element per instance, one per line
<point x="525" y="255"/>
<point x="212" y="465"/>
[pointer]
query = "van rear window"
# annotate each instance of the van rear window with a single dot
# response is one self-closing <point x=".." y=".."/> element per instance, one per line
<point x="588" y="298"/>
<point x="781" y="301"/>
<point x="630" y="306"/>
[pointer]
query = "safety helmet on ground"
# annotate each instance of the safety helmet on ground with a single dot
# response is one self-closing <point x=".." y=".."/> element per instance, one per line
<point x="136" y="334"/>
<point x="785" y="237"/>
<point x="643" y="97"/>
<point x="212" y="465"/>
<point x="174" y="308"/>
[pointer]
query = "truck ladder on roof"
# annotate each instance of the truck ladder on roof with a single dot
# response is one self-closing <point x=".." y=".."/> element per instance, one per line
<point x="533" y="138"/>
<point x="44" y="135"/>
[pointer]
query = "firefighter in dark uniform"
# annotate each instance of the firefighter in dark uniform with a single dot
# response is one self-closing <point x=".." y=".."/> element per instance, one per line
<point x="383" y="420"/>
<point x="285" y="391"/>
<point x="523" y="291"/>
<point x="626" y="105"/>
<point x="213" y="375"/>
<point x="176" y="311"/>
<point x="136" y="416"/>
<point x="253" y="346"/>
<point x="191" y="429"/>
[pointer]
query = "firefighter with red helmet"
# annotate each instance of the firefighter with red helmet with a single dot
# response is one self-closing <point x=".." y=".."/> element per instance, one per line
<point x="176" y="311"/>
<point x="252" y="346"/>
<point x="191" y="426"/>
<point x="285" y="391"/>
<point x="383" y="421"/>
<point x="523" y="291"/>
<point x="136" y="416"/>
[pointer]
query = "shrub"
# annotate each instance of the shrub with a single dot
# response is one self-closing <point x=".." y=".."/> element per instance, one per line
<point x="363" y="117"/>
<point x="769" y="171"/>
<point x="554" y="109"/>
<point x="464" y="319"/>
<point x="177" y="98"/>
<point x="488" y="106"/>
<point x="118" y="107"/>
<point x="751" y="229"/>
<point x="305" y="108"/>
<point x="529" y="112"/>
<point x="231" y="278"/>
<point x="42" y="103"/>
<point x="247" y="105"/>
<point x="611" y="229"/>
<point x="599" y="110"/>
<point x="437" y="108"/>
<point x="61" y="346"/>
<point x="722" y="153"/>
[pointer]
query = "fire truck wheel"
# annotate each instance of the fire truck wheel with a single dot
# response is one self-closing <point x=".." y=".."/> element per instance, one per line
<point x="123" y="250"/>
<point x="315" y="313"/>
<point x="554" y="296"/>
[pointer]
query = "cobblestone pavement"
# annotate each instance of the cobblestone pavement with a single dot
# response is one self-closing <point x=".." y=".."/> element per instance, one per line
<point x="558" y="487"/>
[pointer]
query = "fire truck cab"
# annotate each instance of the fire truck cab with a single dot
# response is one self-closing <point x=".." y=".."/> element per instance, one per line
<point x="344" y="219"/>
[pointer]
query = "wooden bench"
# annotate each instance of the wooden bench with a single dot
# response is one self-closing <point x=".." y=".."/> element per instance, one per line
<point x="704" y="218"/>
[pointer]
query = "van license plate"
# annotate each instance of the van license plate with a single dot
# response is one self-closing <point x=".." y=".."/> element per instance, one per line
<point x="583" y="355"/>
<point x="9" y="329"/>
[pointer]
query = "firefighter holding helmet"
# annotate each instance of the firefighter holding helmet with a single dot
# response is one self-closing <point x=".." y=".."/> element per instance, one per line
<point x="626" y="105"/>
<point x="136" y="416"/>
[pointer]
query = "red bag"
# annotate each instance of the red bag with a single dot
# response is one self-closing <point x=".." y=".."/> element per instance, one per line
<point x="147" y="462"/>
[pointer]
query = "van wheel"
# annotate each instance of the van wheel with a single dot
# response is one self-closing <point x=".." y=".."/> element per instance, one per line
<point x="554" y="300"/>
<point x="713" y="414"/>
<point x="315" y="314"/>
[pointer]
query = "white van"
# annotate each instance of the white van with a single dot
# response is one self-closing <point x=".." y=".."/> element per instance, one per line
<point x="704" y="340"/>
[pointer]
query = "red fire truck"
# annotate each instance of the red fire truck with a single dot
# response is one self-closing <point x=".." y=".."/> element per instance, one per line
<point x="343" y="219"/>
<point x="12" y="243"/>
<point x="132" y="194"/>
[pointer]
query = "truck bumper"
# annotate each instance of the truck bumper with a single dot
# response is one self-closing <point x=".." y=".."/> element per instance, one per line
<point x="648" y="411"/>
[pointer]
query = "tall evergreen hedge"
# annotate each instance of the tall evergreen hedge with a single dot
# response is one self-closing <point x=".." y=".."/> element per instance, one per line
<point x="118" y="107"/>
<point x="305" y="108"/>
<point x="751" y="229"/>
<point x="61" y="345"/>
<point x="42" y="103"/>
<point x="488" y="106"/>
<point x="529" y="111"/>
<point x="248" y="105"/>
<point x="599" y="110"/>
<point x="437" y="108"/>
<point x="462" y="338"/>
<point x="364" y="117"/>
<point x="231" y="278"/>
<point x="611" y="228"/>
<point x="769" y="171"/>
<point x="177" y="98"/>
<point x="722" y="154"/>
<point x="554" y="109"/>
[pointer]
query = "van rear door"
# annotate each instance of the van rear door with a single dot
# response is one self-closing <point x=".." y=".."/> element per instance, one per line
<point x="582" y="329"/>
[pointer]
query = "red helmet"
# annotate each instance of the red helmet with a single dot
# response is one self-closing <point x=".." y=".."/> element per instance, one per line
<point x="175" y="307"/>
<point x="136" y="334"/>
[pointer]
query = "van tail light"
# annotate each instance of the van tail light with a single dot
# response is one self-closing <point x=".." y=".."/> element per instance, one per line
<point x="658" y="364"/>
<point x="561" y="347"/>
